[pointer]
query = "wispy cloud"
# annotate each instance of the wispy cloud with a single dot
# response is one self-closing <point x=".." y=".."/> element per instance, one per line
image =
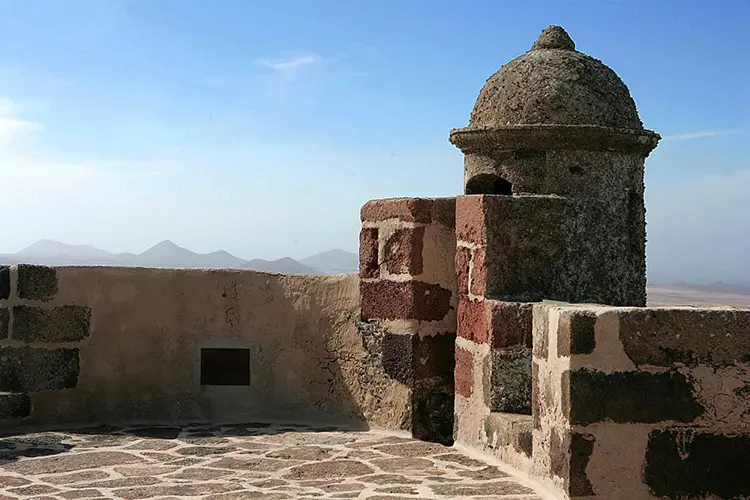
<point x="701" y="135"/>
<point x="289" y="65"/>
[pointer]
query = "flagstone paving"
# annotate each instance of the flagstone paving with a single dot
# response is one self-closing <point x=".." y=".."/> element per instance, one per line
<point x="248" y="461"/>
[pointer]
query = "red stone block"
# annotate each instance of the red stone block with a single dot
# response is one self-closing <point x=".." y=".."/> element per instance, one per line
<point x="464" y="372"/>
<point x="403" y="251"/>
<point x="479" y="272"/>
<point x="463" y="259"/>
<point x="510" y="323"/>
<point x="417" y="300"/>
<point x="368" y="253"/>
<point x="403" y="209"/>
<point x="472" y="320"/>
<point x="471" y="223"/>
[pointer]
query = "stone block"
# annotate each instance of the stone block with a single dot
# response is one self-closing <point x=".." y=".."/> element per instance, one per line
<point x="417" y="300"/>
<point x="479" y="272"/>
<point x="471" y="225"/>
<point x="398" y="356"/>
<point x="28" y="369"/>
<point x="629" y="397"/>
<point x="540" y="331"/>
<point x="403" y="209"/>
<point x="511" y="380"/>
<point x="536" y="409"/>
<point x="581" y="448"/>
<point x="444" y="212"/>
<point x="472" y="320"/>
<point x="403" y="251"/>
<point x="14" y="405"/>
<point x="510" y="324"/>
<point x="368" y="253"/>
<point x="432" y="411"/>
<point x="36" y="282"/>
<point x="464" y="372"/>
<point x="435" y="357"/>
<point x="688" y="463"/>
<point x="662" y="337"/>
<point x="4" y="322"/>
<point x="68" y="323"/>
<point x="4" y="282"/>
<point x="575" y="333"/>
<point x="463" y="261"/>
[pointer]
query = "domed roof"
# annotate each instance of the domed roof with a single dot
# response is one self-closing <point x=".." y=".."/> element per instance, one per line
<point x="553" y="84"/>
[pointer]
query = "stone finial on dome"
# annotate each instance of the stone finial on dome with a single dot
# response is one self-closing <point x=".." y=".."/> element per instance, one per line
<point x="554" y="37"/>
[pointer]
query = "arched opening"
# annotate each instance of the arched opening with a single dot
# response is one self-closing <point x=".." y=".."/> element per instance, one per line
<point x="489" y="184"/>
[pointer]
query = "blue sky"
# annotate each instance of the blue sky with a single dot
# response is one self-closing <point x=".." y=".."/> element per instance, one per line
<point x="262" y="127"/>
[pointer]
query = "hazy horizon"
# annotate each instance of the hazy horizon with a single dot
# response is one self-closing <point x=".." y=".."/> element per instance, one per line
<point x="261" y="129"/>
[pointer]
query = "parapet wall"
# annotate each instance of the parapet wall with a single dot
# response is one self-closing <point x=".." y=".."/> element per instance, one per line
<point x="106" y="345"/>
<point x="642" y="402"/>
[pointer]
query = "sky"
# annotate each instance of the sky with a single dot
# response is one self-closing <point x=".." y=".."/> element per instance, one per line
<point x="261" y="128"/>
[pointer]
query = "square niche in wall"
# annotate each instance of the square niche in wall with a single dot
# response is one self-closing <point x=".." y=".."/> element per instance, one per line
<point x="225" y="366"/>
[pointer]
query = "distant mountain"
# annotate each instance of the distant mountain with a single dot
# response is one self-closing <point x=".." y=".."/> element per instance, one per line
<point x="333" y="262"/>
<point x="286" y="265"/>
<point x="167" y="254"/>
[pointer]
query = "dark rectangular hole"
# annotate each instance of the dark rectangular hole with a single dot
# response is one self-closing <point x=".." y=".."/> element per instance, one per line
<point x="225" y="366"/>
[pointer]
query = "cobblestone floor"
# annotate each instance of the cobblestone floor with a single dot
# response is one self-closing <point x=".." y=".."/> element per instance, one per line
<point x="248" y="461"/>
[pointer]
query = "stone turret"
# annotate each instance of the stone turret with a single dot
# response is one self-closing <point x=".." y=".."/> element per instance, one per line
<point x="557" y="122"/>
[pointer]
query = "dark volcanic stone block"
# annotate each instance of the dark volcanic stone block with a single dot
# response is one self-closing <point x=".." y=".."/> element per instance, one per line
<point x="576" y="335"/>
<point x="28" y="369"/>
<point x="432" y="411"/>
<point x="36" y="282"/>
<point x="59" y="324"/>
<point x="581" y="447"/>
<point x="663" y="337"/>
<point x="684" y="463"/>
<point x="14" y="405"/>
<point x="4" y="282"/>
<point x="435" y="356"/>
<point x="511" y="323"/>
<point x="398" y="355"/>
<point x="630" y="397"/>
<point x="511" y="380"/>
<point x="4" y="321"/>
<point x="384" y="299"/>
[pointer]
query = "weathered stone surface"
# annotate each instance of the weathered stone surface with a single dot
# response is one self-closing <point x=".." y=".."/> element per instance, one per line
<point x="581" y="448"/>
<point x="484" y="489"/>
<point x="510" y="323"/>
<point x="255" y="463"/>
<point x="398" y="356"/>
<point x="434" y="356"/>
<point x="90" y="493"/>
<point x="303" y="453"/>
<point x="479" y="272"/>
<point x="196" y="489"/>
<point x="328" y="470"/>
<point x="14" y="405"/>
<point x="463" y="261"/>
<point x="540" y="331"/>
<point x="407" y="465"/>
<point x="471" y="224"/>
<point x="384" y="299"/>
<point x="32" y="491"/>
<point x="10" y="481"/>
<point x="631" y="397"/>
<point x="464" y="373"/>
<point x="472" y="320"/>
<point x="663" y="337"/>
<point x="71" y="462"/>
<point x="122" y="482"/>
<point x="686" y="463"/>
<point x="403" y="209"/>
<point x="77" y="477"/>
<point x="389" y="479"/>
<point x="28" y="369"/>
<point x="483" y="474"/>
<point x="69" y="323"/>
<point x="412" y="449"/>
<point x="145" y="471"/>
<point x="36" y="282"/>
<point x="4" y="282"/>
<point x="511" y="380"/>
<point x="368" y="253"/>
<point x="403" y="251"/>
<point x="575" y="333"/>
<point x="4" y="322"/>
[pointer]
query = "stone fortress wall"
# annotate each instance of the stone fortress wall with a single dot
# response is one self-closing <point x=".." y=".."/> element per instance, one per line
<point x="510" y="319"/>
